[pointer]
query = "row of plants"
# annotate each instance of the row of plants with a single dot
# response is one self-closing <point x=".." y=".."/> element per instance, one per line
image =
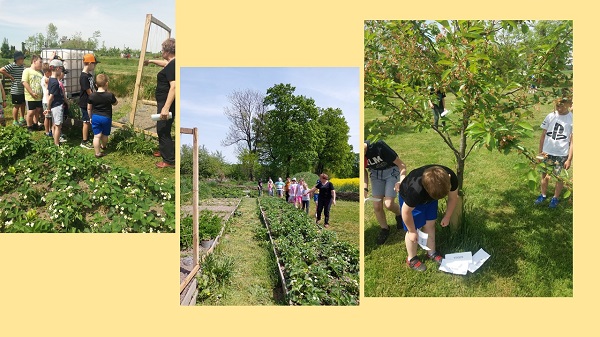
<point x="45" y="188"/>
<point x="209" y="226"/>
<point x="319" y="269"/>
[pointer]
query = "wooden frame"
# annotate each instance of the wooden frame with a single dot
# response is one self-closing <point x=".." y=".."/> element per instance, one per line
<point x="136" y="91"/>
<point x="195" y="240"/>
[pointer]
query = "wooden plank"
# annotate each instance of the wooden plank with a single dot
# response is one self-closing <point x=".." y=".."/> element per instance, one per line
<point x="160" y="24"/>
<point x="138" y="79"/>
<point x="195" y="239"/>
<point x="189" y="278"/>
<point x="186" y="131"/>
<point x="189" y="293"/>
<point x="147" y="102"/>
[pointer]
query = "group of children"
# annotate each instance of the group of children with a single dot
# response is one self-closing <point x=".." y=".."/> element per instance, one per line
<point x="40" y="90"/>
<point x="419" y="191"/>
<point x="297" y="192"/>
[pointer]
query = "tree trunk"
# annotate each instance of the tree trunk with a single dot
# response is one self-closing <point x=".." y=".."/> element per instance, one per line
<point x="456" y="218"/>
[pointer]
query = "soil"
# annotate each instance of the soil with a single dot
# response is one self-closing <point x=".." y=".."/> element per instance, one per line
<point x="142" y="115"/>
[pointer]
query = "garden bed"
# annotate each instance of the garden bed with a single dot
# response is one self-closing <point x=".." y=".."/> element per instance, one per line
<point x="225" y="208"/>
<point x="315" y="267"/>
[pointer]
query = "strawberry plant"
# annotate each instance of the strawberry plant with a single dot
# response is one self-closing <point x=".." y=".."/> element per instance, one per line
<point x="59" y="189"/>
<point x="319" y="268"/>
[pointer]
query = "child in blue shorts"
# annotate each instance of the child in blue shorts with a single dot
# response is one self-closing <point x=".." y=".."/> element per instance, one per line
<point x="99" y="108"/>
<point x="418" y="198"/>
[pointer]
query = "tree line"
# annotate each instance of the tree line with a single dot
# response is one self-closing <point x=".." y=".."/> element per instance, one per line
<point x="52" y="39"/>
<point x="277" y="134"/>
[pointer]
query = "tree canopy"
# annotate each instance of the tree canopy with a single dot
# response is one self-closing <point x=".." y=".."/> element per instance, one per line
<point x="488" y="66"/>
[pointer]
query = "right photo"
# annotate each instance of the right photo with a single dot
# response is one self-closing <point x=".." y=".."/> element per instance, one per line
<point x="468" y="158"/>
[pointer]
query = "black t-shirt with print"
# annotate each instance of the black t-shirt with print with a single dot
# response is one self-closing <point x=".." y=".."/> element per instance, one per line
<point x="325" y="190"/>
<point x="102" y="103"/>
<point x="412" y="190"/>
<point x="86" y="81"/>
<point x="379" y="156"/>
<point x="438" y="104"/>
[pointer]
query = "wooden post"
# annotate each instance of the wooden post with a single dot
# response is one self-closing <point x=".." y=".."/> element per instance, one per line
<point x="195" y="194"/>
<point x="138" y="79"/>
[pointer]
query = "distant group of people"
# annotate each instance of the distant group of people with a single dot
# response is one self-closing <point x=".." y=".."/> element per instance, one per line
<point x="419" y="191"/>
<point x="298" y="193"/>
<point x="40" y="90"/>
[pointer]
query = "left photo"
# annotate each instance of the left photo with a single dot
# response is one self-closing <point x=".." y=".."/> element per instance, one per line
<point x="87" y="111"/>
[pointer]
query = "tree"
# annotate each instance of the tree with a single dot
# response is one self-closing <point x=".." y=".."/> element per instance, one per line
<point x="51" y="36"/>
<point x="35" y="43"/>
<point x="5" y="49"/>
<point x="404" y="60"/>
<point x="335" y="154"/>
<point x="293" y="138"/>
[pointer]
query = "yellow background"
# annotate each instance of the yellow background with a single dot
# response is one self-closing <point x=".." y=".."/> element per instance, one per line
<point x="127" y="285"/>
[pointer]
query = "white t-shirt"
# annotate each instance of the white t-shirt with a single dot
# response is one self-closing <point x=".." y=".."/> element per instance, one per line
<point x="559" y="129"/>
<point x="44" y="85"/>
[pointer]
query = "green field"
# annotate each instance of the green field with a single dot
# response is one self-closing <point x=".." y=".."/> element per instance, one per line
<point x="531" y="247"/>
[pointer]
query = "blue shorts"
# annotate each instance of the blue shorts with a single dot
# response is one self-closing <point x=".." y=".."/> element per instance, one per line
<point x="421" y="213"/>
<point x="84" y="115"/>
<point x="101" y="124"/>
<point x="316" y="197"/>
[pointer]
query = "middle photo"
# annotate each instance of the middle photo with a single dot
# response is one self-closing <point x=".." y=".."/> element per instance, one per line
<point x="269" y="186"/>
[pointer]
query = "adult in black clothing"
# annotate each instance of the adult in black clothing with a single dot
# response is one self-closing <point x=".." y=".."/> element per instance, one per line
<point x="386" y="172"/>
<point x="165" y="100"/>
<point x="326" y="197"/>
<point x="438" y="107"/>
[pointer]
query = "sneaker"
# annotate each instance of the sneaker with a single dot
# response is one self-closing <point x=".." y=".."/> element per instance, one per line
<point x="62" y="139"/>
<point x="49" y="134"/>
<point x="15" y="123"/>
<point x="399" y="223"/>
<point x="540" y="199"/>
<point x="416" y="264"/>
<point x="553" y="202"/>
<point x="22" y="122"/>
<point x="86" y="145"/>
<point x="383" y="235"/>
<point x="435" y="257"/>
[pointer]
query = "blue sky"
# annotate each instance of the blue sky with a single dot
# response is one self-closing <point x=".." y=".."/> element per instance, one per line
<point x="121" y="23"/>
<point x="204" y="96"/>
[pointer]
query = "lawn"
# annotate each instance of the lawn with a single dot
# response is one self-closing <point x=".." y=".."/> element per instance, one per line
<point x="531" y="247"/>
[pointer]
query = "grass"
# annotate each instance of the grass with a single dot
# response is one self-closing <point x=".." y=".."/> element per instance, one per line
<point x="254" y="278"/>
<point x="531" y="247"/>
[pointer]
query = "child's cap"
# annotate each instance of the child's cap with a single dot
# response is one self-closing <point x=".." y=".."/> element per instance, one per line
<point x="55" y="64"/>
<point x="19" y="55"/>
<point x="90" y="58"/>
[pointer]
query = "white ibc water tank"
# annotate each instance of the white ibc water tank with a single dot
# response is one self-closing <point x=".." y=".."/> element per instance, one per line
<point x="73" y="62"/>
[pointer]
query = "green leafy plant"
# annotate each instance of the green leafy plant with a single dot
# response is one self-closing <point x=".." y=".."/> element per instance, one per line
<point x="319" y="269"/>
<point x="209" y="225"/>
<point x="127" y="140"/>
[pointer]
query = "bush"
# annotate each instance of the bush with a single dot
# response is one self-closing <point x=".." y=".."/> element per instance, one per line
<point x="310" y="178"/>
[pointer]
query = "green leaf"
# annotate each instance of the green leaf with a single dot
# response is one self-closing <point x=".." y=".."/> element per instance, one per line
<point x="525" y="125"/>
<point x="446" y="73"/>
